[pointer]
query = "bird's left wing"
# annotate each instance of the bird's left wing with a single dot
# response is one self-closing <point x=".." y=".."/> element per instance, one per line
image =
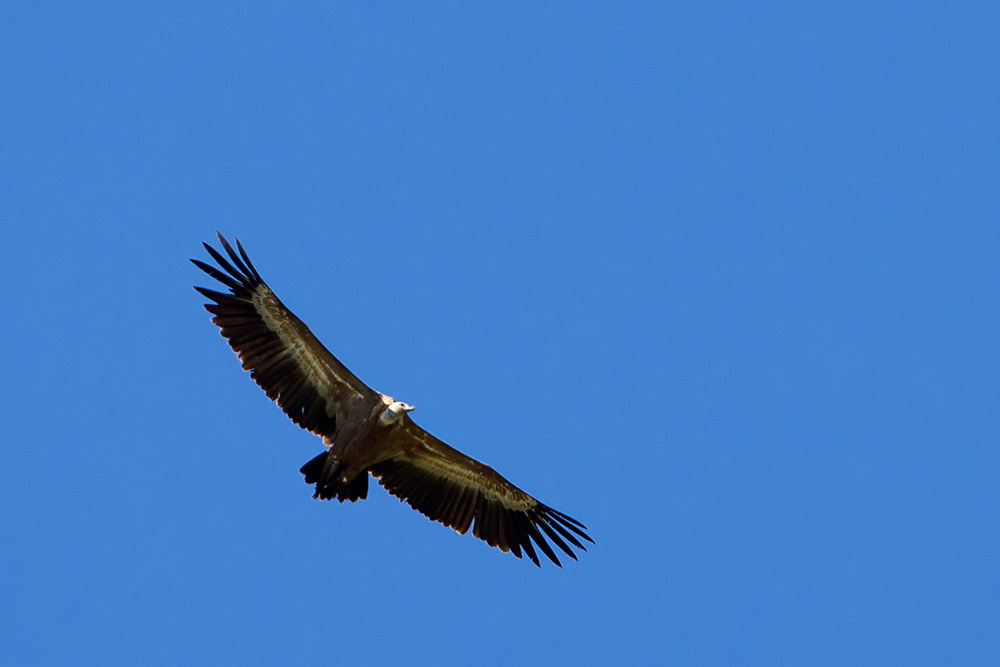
<point x="311" y="385"/>
<point x="447" y="486"/>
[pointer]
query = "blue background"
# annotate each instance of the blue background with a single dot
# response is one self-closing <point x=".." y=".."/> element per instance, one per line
<point x="718" y="279"/>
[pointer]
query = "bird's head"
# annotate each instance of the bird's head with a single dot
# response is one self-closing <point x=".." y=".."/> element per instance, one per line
<point x="394" y="412"/>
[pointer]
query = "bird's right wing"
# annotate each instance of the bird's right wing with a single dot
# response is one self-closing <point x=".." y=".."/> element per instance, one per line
<point x="313" y="388"/>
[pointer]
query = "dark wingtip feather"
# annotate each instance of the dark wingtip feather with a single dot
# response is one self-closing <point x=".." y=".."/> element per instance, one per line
<point x="530" y="550"/>
<point x="547" y="529"/>
<point x="218" y="275"/>
<point x="567" y="518"/>
<point x="569" y="522"/>
<point x="554" y="523"/>
<point x="233" y="256"/>
<point x="540" y="541"/>
<point x="240" y="274"/>
<point x="218" y="297"/>
<point x="246" y="258"/>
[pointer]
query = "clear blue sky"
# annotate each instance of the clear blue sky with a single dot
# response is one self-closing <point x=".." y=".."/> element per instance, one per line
<point x="718" y="279"/>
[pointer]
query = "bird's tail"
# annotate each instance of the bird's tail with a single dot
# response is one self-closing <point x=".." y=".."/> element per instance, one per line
<point x="329" y="482"/>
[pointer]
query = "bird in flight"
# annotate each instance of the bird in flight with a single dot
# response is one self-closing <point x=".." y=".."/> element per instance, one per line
<point x="366" y="432"/>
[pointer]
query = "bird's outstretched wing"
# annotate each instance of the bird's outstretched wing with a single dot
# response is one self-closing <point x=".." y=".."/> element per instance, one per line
<point x="447" y="486"/>
<point x="282" y="355"/>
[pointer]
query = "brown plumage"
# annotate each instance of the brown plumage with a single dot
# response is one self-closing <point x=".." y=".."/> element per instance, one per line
<point x="368" y="432"/>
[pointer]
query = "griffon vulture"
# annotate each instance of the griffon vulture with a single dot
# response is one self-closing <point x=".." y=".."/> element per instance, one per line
<point x="366" y="432"/>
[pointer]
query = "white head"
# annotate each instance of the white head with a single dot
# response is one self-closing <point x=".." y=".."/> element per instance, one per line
<point x="394" y="412"/>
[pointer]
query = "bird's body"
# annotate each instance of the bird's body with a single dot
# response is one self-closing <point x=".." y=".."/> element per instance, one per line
<point x="366" y="431"/>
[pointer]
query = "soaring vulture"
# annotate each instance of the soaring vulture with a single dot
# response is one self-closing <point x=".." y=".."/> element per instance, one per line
<point x="368" y="432"/>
